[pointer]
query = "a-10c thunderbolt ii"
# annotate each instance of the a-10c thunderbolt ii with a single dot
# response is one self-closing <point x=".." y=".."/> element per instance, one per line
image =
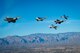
<point x="10" y="19"/>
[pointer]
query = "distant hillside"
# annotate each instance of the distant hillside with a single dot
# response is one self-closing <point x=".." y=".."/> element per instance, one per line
<point x="69" y="38"/>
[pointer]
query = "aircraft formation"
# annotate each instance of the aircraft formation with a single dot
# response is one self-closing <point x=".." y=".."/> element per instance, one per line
<point x="57" y="21"/>
<point x="52" y="26"/>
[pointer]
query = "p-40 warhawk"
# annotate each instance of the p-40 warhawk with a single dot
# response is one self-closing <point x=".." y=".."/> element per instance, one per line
<point x="64" y="16"/>
<point x="40" y="18"/>
<point x="9" y="19"/>
<point x="52" y="26"/>
<point x="58" y="21"/>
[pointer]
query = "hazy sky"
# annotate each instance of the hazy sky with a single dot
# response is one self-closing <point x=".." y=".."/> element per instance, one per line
<point x="28" y="10"/>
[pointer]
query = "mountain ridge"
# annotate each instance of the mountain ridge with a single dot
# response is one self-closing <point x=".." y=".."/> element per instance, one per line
<point x="68" y="38"/>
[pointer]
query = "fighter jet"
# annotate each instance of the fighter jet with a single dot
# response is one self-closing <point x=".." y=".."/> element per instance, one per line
<point x="40" y="18"/>
<point x="52" y="26"/>
<point x="64" y="16"/>
<point x="58" y="21"/>
<point x="9" y="19"/>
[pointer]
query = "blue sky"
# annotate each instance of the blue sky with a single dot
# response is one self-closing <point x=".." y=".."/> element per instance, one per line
<point x="28" y="10"/>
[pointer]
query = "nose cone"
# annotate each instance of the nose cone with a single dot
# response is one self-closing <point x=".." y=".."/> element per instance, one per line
<point x="18" y="17"/>
<point x="14" y="18"/>
<point x="37" y="18"/>
<point x="49" y="26"/>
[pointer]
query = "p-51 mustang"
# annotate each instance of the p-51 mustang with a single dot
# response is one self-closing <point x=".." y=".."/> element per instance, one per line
<point x="58" y="21"/>
<point x="10" y="19"/>
<point x="52" y="26"/>
<point x="40" y="18"/>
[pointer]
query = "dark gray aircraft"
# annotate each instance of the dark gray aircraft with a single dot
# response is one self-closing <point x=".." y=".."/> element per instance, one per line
<point x="9" y="19"/>
<point x="52" y="26"/>
<point x="59" y="21"/>
<point x="64" y="16"/>
<point x="40" y="18"/>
